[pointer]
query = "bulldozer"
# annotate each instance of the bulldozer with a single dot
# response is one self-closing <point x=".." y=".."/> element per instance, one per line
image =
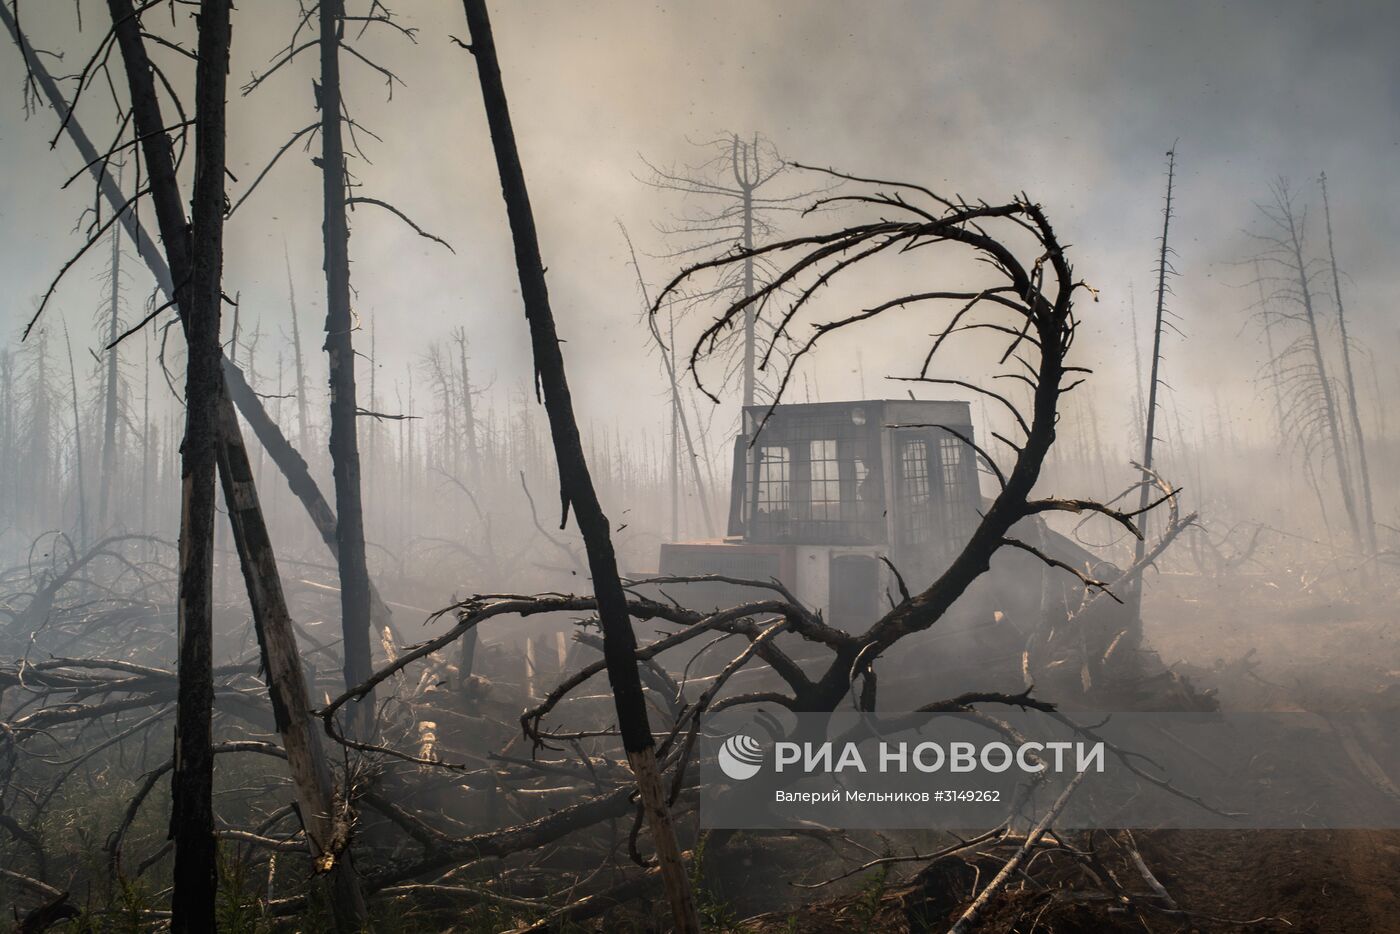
<point x="833" y="499"/>
<point x="849" y="504"/>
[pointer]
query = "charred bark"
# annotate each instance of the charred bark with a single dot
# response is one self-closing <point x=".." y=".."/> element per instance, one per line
<point x="109" y="406"/>
<point x="327" y="828"/>
<point x="576" y="484"/>
<point x="77" y="445"/>
<point x="344" y="439"/>
<point x="1363" y="466"/>
<point x="192" y="811"/>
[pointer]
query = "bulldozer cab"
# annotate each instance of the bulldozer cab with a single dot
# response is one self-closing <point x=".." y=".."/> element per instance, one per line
<point x="822" y="492"/>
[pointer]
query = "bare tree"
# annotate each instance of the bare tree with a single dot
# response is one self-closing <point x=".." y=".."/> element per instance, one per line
<point x="192" y="810"/>
<point x="358" y="600"/>
<point x="575" y="482"/>
<point x="110" y="402"/>
<point x="217" y="442"/>
<point x="1160" y="323"/>
<point x="1358" y="434"/>
<point x="469" y="440"/>
<point x="1271" y="364"/>
<point x="344" y="437"/>
<point x="733" y="185"/>
<point x="1290" y="276"/>
<point x="303" y="415"/>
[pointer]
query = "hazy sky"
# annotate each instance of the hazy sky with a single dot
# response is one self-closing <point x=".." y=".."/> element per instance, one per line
<point x="1074" y="102"/>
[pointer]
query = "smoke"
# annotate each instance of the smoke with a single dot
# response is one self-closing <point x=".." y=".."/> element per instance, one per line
<point x="1074" y="103"/>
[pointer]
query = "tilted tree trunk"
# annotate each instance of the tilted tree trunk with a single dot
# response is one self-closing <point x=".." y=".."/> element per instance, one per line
<point x="344" y="440"/>
<point x="287" y="687"/>
<point x="1350" y="385"/>
<point x="327" y="827"/>
<point x="297" y="474"/>
<point x="576" y="484"/>
<point x="192" y="808"/>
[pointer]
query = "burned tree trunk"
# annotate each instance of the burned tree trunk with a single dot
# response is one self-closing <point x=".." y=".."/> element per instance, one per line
<point x="1362" y="464"/>
<point x="1297" y="265"/>
<point x="297" y="474"/>
<point x="77" y="446"/>
<point x="679" y="423"/>
<point x="109" y="405"/>
<point x="1154" y="382"/>
<point x="303" y="418"/>
<point x="344" y="440"/>
<point x="192" y="811"/>
<point x="746" y="186"/>
<point x="326" y="826"/>
<point x="576" y="484"/>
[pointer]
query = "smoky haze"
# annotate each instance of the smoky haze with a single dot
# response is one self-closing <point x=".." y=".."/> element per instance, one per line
<point x="894" y="562"/>
<point x="1074" y="103"/>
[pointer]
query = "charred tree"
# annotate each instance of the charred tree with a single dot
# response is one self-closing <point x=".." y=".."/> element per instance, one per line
<point x="1271" y="365"/>
<point x="737" y="179"/>
<point x="192" y="810"/>
<point x="473" y="450"/>
<point x="324" y="817"/>
<point x="303" y="416"/>
<point x="1154" y="384"/>
<point x="81" y="484"/>
<point x="680" y="424"/>
<point x="1349" y="384"/>
<point x="1312" y="407"/>
<point x="344" y="438"/>
<point x="109" y="401"/>
<point x="359" y="603"/>
<point x="576" y="484"/>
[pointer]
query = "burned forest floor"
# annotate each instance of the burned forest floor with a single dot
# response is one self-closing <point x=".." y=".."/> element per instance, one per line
<point x="1260" y="644"/>
<point x="88" y="801"/>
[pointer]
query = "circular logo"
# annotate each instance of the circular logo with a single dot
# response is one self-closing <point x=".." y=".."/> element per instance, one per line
<point x="740" y="757"/>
